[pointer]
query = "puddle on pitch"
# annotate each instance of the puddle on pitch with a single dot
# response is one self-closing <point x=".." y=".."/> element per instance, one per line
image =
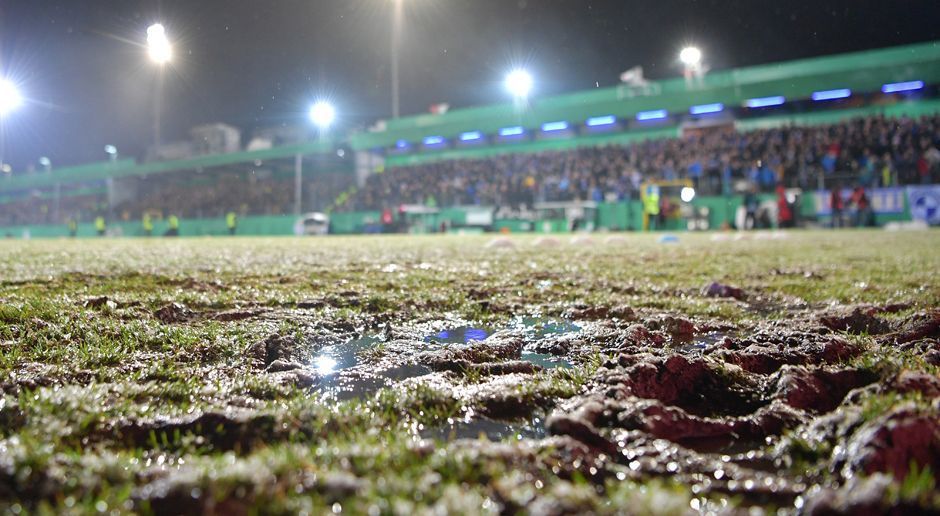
<point x="699" y="343"/>
<point x="490" y="429"/>
<point x="332" y="359"/>
<point x="535" y="328"/>
<point x="341" y="379"/>
<point x="543" y="327"/>
<point x="460" y="335"/>
<point x="545" y="360"/>
<point x="344" y="376"/>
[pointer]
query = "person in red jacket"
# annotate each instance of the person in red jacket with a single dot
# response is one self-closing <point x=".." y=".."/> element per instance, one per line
<point x="784" y="211"/>
<point x="862" y="206"/>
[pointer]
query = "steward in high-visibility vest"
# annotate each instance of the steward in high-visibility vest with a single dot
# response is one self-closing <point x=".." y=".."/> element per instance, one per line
<point x="73" y="227"/>
<point x="651" y="206"/>
<point x="231" y="222"/>
<point x="100" y="225"/>
<point x="174" y="224"/>
<point x="147" y="223"/>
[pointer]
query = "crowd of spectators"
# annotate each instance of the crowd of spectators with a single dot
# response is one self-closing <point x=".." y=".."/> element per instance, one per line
<point x="211" y="196"/>
<point x="871" y="151"/>
<point x="208" y="195"/>
<point x="41" y="209"/>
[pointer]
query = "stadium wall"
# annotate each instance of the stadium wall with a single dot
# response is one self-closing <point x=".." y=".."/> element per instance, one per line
<point x="615" y="216"/>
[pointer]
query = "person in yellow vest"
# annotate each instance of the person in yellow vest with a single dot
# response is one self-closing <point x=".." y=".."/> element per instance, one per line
<point x="147" y="223"/>
<point x="231" y="222"/>
<point x="73" y="227"/>
<point x="173" y="223"/>
<point x="651" y="207"/>
<point x="100" y="225"/>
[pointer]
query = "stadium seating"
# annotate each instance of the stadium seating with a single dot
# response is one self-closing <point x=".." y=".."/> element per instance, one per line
<point x="857" y="151"/>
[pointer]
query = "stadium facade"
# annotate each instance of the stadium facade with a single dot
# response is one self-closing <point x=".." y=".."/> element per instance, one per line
<point x="894" y="82"/>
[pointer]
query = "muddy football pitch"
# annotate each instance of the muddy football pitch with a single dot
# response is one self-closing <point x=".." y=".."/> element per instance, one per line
<point x="610" y="374"/>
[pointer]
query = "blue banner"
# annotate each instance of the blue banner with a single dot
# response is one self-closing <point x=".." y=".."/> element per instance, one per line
<point x="925" y="203"/>
<point x="883" y="200"/>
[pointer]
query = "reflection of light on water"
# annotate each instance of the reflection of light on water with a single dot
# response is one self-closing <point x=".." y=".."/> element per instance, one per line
<point x="324" y="364"/>
<point x="475" y="334"/>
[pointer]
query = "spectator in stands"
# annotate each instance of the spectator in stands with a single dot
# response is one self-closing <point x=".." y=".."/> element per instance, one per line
<point x="784" y="211"/>
<point x="837" y="205"/>
<point x="751" y="205"/>
<point x="863" y="214"/>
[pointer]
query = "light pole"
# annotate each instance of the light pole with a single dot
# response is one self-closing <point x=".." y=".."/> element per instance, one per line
<point x="111" y="151"/>
<point x="322" y="114"/>
<point x="160" y="52"/>
<point x="691" y="58"/>
<point x="10" y="100"/>
<point x="397" y="21"/>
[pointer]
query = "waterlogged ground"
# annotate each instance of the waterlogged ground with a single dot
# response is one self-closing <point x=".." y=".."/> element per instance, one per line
<point x="413" y="375"/>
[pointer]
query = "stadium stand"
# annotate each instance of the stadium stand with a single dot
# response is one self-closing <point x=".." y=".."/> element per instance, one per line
<point x="871" y="151"/>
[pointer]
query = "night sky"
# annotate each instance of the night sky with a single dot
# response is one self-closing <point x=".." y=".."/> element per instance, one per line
<point x="256" y="63"/>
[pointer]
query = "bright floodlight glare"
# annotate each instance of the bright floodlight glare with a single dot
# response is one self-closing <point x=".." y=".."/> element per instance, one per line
<point x="45" y="162"/>
<point x="690" y="56"/>
<point x="10" y="97"/>
<point x="110" y="149"/>
<point x="158" y="46"/>
<point x="519" y="83"/>
<point x="687" y="194"/>
<point x="322" y="114"/>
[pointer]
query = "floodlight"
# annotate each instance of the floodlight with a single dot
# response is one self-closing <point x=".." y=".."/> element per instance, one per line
<point x="687" y="194"/>
<point x="519" y="83"/>
<point x="554" y="126"/>
<point x="601" y="120"/>
<point x="515" y="130"/>
<point x="10" y="97"/>
<point x="896" y="87"/>
<point x="45" y="162"/>
<point x="158" y="46"/>
<point x="760" y="102"/>
<point x="322" y="114"/>
<point x="703" y="109"/>
<point x="690" y="56"/>
<point x="655" y="114"/>
<point x="831" y="94"/>
<point x="110" y="150"/>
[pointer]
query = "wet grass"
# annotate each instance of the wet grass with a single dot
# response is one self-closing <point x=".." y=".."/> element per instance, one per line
<point x="91" y="376"/>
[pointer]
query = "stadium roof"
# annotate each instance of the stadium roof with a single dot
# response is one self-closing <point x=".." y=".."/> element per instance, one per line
<point x="129" y="167"/>
<point x="860" y="71"/>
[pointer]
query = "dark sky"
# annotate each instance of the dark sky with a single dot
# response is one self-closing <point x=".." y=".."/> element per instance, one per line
<point x="261" y="62"/>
